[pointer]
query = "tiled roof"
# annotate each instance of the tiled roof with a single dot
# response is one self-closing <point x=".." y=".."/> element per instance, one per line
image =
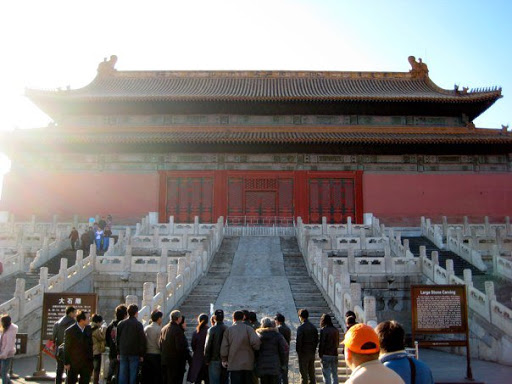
<point x="243" y="136"/>
<point x="266" y="86"/>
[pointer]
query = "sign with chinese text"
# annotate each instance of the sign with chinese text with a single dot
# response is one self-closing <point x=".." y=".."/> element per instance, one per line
<point x="55" y="304"/>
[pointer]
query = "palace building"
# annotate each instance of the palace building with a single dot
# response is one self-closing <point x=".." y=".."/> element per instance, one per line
<point x="261" y="146"/>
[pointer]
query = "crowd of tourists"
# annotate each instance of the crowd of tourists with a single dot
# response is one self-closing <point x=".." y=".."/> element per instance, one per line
<point x="99" y="233"/>
<point x="246" y="352"/>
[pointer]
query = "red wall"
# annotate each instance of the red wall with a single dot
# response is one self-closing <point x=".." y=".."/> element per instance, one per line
<point x="126" y="196"/>
<point x="404" y="198"/>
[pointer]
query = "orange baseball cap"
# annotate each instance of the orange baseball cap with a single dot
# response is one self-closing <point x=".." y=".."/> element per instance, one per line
<point x="360" y="334"/>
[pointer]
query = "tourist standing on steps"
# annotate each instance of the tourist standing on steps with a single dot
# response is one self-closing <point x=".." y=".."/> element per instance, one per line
<point x="216" y="372"/>
<point x="98" y="344"/>
<point x="307" y="341"/>
<point x="99" y="238"/>
<point x="362" y="357"/>
<point x="253" y="320"/>
<point x="287" y="334"/>
<point x="152" y="366"/>
<point x="198" y="369"/>
<point x="92" y="236"/>
<point x="131" y="344"/>
<point x="393" y="355"/>
<point x="85" y="243"/>
<point x="7" y="346"/>
<point x="272" y="354"/>
<point x="111" y="341"/>
<point x="78" y="357"/>
<point x="350" y="320"/>
<point x="174" y="349"/>
<point x="73" y="236"/>
<point x="59" y="330"/>
<point x="107" y="233"/>
<point x="237" y="350"/>
<point x="328" y="349"/>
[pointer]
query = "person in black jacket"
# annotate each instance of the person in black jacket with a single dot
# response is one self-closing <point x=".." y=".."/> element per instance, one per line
<point x="328" y="349"/>
<point x="78" y="358"/>
<point x="111" y="342"/>
<point x="287" y="334"/>
<point x="174" y="347"/>
<point x="272" y="353"/>
<point x="216" y="372"/>
<point x="307" y="340"/>
<point x="59" y="329"/>
<point x="131" y="346"/>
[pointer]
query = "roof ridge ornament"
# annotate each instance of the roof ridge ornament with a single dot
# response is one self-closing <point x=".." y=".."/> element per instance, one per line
<point x="107" y="67"/>
<point x="419" y="69"/>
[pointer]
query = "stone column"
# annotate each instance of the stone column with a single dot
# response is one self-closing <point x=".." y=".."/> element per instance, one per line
<point x="351" y="261"/>
<point x="406" y="246"/>
<point x="362" y="239"/>
<point x="137" y="229"/>
<point x="489" y="291"/>
<point x="507" y="226"/>
<point x="370" y="309"/>
<point x="468" y="277"/>
<point x="156" y="237"/>
<point x="495" y="253"/>
<point x="182" y="264"/>
<point x="196" y="225"/>
<point x="132" y="299"/>
<point x="172" y="271"/>
<point x="449" y="270"/>
<point x="148" y="292"/>
<point x="324" y="226"/>
<point x="355" y="293"/>
<point x="127" y="259"/>
<point x="487" y="226"/>
<point x="19" y="293"/>
<point x="435" y="257"/>
<point x="466" y="226"/>
<point x="21" y="258"/>
<point x="445" y="225"/>
<point x="349" y="225"/>
<point x="171" y="225"/>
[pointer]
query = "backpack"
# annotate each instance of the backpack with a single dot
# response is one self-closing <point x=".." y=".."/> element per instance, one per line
<point x="113" y="339"/>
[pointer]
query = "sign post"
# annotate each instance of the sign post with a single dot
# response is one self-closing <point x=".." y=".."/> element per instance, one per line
<point x="441" y="309"/>
<point x="54" y="308"/>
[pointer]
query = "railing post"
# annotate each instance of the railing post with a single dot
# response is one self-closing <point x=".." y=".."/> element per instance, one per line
<point x="148" y="292"/>
<point x="19" y="294"/>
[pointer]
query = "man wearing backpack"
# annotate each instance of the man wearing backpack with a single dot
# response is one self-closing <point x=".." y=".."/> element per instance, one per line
<point x="111" y="342"/>
<point x="59" y="329"/>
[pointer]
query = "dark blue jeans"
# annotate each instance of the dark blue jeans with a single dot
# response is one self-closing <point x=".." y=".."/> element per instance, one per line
<point x="5" y="365"/>
<point x="217" y="373"/>
<point x="330" y="369"/>
<point x="129" y="366"/>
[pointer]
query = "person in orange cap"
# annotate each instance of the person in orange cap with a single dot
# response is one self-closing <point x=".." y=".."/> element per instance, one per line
<point x="362" y="350"/>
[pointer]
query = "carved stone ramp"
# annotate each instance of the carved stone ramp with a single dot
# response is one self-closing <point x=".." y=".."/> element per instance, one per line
<point x="307" y="295"/>
<point x="210" y="285"/>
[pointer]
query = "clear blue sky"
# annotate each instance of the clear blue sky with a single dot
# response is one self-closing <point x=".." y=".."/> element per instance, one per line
<point x="49" y="44"/>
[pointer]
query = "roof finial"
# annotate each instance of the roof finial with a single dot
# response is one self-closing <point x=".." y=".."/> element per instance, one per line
<point x="419" y="69"/>
<point x="107" y="67"/>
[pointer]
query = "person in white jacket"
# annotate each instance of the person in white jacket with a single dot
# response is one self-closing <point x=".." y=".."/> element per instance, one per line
<point x="7" y="346"/>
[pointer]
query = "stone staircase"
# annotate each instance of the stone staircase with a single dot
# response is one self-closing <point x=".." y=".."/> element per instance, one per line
<point x="307" y="295"/>
<point x="210" y="285"/>
<point x="503" y="287"/>
<point x="8" y="285"/>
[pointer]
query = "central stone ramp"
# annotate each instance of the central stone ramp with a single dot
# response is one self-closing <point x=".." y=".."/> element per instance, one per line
<point x="209" y="287"/>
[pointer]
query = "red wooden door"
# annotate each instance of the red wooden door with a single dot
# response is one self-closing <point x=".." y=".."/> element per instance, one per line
<point x="332" y="198"/>
<point x="188" y="197"/>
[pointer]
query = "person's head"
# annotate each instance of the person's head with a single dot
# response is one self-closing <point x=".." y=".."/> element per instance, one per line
<point x="176" y="316"/>
<point x="121" y="312"/>
<point x="350" y="321"/>
<point x="82" y="318"/>
<point x="267" y="322"/>
<point x="219" y="315"/>
<point x="361" y="345"/>
<point x="279" y="319"/>
<point x="71" y="311"/>
<point x="157" y="317"/>
<point x="74" y="229"/>
<point x="246" y="314"/>
<point x="133" y="310"/>
<point x="202" y="321"/>
<point x="5" y="322"/>
<point x="97" y="318"/>
<point x="391" y="336"/>
<point x="325" y="320"/>
<point x="350" y="313"/>
<point x="238" y="316"/>
<point x="303" y="314"/>
<point x="212" y="320"/>
<point x="252" y="317"/>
